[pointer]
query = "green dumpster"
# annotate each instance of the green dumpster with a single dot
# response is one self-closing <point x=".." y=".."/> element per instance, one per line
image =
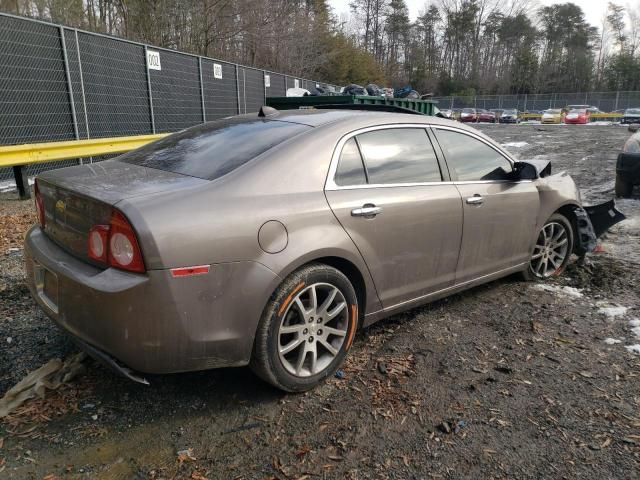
<point x="425" y="107"/>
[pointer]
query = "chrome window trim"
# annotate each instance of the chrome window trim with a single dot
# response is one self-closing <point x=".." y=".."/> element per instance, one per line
<point x="330" y="184"/>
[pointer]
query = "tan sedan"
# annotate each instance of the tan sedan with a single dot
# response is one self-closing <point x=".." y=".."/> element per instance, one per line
<point x="271" y="239"/>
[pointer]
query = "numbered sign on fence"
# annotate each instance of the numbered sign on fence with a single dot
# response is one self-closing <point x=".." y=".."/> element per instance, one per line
<point x="267" y="81"/>
<point x="217" y="71"/>
<point x="153" y="60"/>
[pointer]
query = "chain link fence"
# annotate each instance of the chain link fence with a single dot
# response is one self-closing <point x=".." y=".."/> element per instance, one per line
<point x="59" y="83"/>
<point x="605" y="101"/>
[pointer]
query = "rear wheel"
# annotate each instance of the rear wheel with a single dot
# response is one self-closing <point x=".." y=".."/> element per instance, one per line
<point x="552" y="250"/>
<point x="623" y="187"/>
<point x="306" y="329"/>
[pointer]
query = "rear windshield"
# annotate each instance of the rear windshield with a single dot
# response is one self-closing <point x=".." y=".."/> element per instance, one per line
<point x="214" y="149"/>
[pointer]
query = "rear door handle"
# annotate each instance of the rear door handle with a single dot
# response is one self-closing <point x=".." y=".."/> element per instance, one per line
<point x="367" y="210"/>
<point x="475" y="200"/>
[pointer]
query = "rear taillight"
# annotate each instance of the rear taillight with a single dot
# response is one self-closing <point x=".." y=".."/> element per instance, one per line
<point x="39" y="205"/>
<point x="116" y="244"/>
<point x="98" y="243"/>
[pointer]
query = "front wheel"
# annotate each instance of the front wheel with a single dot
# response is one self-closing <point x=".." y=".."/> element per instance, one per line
<point x="552" y="250"/>
<point x="306" y="329"/>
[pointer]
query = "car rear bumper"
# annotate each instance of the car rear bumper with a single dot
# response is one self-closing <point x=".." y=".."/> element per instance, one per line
<point x="152" y="322"/>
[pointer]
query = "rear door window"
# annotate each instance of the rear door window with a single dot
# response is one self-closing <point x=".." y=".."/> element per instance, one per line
<point x="399" y="155"/>
<point x="350" y="167"/>
<point x="214" y="149"/>
<point x="473" y="160"/>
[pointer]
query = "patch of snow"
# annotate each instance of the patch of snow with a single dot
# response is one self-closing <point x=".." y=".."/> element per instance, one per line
<point x="515" y="144"/>
<point x="612" y="341"/>
<point x="613" y="312"/>
<point x="636" y="331"/>
<point x="633" y="348"/>
<point x="603" y="122"/>
<point x="562" y="291"/>
<point x="634" y="322"/>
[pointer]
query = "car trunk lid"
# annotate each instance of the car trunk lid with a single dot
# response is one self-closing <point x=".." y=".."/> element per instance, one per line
<point x="77" y="198"/>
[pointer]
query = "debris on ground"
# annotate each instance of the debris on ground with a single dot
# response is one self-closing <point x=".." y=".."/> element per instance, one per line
<point x="48" y="377"/>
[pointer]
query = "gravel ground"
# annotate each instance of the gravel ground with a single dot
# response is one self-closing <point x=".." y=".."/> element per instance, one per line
<point x="507" y="380"/>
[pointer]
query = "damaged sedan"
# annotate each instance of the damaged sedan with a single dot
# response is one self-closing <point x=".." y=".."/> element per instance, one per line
<point x="269" y="240"/>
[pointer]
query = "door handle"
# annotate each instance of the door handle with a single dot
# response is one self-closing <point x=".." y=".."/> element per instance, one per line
<point x="475" y="200"/>
<point x="367" y="210"/>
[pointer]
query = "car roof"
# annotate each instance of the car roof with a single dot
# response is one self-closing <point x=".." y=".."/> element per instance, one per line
<point x="352" y="118"/>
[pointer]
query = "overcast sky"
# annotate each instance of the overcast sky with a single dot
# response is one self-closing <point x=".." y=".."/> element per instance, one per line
<point x="593" y="9"/>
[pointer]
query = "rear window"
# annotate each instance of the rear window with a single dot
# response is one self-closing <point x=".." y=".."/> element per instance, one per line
<point x="214" y="149"/>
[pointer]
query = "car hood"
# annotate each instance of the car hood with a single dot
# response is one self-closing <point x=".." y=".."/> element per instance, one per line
<point x="111" y="181"/>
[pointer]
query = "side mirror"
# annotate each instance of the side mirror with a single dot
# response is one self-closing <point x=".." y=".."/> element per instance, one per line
<point x="525" y="171"/>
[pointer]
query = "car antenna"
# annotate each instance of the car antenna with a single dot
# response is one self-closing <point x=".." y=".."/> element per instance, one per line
<point x="267" y="111"/>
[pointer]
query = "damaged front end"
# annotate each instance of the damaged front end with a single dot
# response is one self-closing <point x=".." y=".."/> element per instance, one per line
<point x="592" y="222"/>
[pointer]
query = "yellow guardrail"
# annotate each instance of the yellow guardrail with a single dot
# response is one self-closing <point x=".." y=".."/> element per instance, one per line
<point x="607" y="115"/>
<point x="20" y="155"/>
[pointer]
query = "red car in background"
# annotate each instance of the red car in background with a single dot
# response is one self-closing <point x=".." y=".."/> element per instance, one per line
<point x="486" y="116"/>
<point x="580" y="116"/>
<point x="469" y="115"/>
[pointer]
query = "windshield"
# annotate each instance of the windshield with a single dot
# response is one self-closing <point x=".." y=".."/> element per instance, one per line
<point x="214" y="149"/>
<point x="508" y="112"/>
<point x="578" y="111"/>
<point x="468" y="110"/>
<point x="552" y="112"/>
<point x="633" y="111"/>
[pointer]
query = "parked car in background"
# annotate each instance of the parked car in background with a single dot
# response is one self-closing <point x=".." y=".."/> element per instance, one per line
<point x="469" y="115"/>
<point x="485" y="116"/>
<point x="580" y="116"/>
<point x="185" y="254"/>
<point x="628" y="166"/>
<point x="553" y="115"/>
<point x="510" y="116"/>
<point x="568" y="108"/>
<point x="631" y="115"/>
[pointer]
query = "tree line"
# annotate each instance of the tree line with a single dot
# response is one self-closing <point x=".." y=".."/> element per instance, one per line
<point x="453" y="47"/>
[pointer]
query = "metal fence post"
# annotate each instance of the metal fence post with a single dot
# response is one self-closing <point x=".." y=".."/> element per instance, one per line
<point x="244" y="88"/>
<point x="153" y="120"/>
<point x="617" y="99"/>
<point x="238" y="89"/>
<point x="264" y="84"/>
<point x="69" y="85"/>
<point x="84" y="101"/>
<point x="204" y="113"/>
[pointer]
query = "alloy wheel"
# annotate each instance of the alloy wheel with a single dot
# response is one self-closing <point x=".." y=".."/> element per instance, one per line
<point x="551" y="250"/>
<point x="313" y="330"/>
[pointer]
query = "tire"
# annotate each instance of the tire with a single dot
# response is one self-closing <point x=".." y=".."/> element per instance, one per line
<point x="624" y="188"/>
<point x="543" y="263"/>
<point x="305" y="332"/>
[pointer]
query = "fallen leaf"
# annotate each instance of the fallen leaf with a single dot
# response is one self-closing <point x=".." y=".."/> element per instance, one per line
<point x="186" y="456"/>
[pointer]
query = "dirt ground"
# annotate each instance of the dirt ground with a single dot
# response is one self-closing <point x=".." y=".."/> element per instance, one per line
<point x="507" y="380"/>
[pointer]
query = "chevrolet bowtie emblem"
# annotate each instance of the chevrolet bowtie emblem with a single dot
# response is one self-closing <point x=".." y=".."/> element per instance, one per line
<point x="60" y="206"/>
